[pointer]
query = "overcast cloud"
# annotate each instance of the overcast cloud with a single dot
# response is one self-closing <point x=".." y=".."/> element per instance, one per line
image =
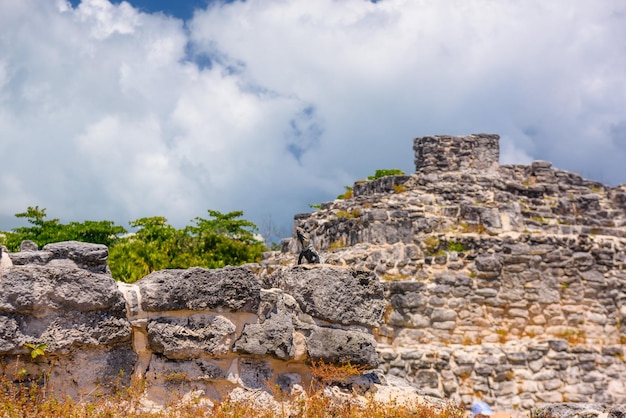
<point x="267" y="106"/>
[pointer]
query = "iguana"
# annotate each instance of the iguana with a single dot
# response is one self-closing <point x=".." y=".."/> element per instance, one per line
<point x="308" y="251"/>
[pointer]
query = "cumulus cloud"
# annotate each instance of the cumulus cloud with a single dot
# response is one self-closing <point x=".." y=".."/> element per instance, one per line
<point x="107" y="112"/>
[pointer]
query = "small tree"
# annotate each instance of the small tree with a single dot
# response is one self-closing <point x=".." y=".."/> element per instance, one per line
<point x="44" y="231"/>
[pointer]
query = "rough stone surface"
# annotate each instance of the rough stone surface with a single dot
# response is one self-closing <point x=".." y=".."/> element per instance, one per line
<point x="36" y="290"/>
<point x="478" y="256"/>
<point x="334" y="294"/>
<point x="330" y="345"/>
<point x="79" y="315"/>
<point x="449" y="153"/>
<point x="272" y="337"/>
<point x="92" y="257"/>
<point x="28" y="245"/>
<point x="233" y="288"/>
<point x="579" y="410"/>
<point x="190" y="337"/>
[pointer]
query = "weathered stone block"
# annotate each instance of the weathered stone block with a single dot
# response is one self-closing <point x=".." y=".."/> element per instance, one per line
<point x="190" y="337"/>
<point x="272" y="337"/>
<point x="479" y="152"/>
<point x="340" y="346"/>
<point x="333" y="294"/>
<point x="92" y="257"/>
<point x="197" y="289"/>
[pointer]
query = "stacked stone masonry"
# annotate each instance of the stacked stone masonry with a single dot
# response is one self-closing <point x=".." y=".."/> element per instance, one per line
<point x="213" y="334"/>
<point x="504" y="282"/>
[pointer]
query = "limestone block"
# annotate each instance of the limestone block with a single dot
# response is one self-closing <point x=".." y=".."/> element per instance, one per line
<point x="272" y="337"/>
<point x="234" y="288"/>
<point x="190" y="337"/>
<point x="177" y="370"/>
<point x="340" y="346"/>
<point x="254" y="372"/>
<point x="409" y="300"/>
<point x="488" y="264"/>
<point x="31" y="257"/>
<point x="28" y="245"/>
<point x="92" y="257"/>
<point x="35" y="289"/>
<point x="63" y="307"/>
<point x="426" y="378"/>
<point x="443" y="315"/>
<point x="333" y="294"/>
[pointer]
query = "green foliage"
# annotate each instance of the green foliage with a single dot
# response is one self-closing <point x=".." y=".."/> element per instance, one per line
<point x="214" y="242"/>
<point x="378" y="174"/>
<point x="354" y="213"/>
<point x="36" y="350"/>
<point x="347" y="194"/>
<point x="221" y="240"/>
<point x="44" y="231"/>
<point x="383" y="173"/>
<point x="456" y="246"/>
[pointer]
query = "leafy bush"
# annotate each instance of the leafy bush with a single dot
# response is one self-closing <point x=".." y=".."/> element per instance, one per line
<point x="216" y="242"/>
<point x="44" y="231"/>
<point x="220" y="240"/>
<point x="347" y="194"/>
<point x="383" y="173"/>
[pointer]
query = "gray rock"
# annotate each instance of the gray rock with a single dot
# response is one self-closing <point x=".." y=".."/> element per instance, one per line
<point x="190" y="337"/>
<point x="333" y="294"/>
<point x="192" y="370"/>
<point x="575" y="410"/>
<point x="28" y="245"/>
<point x="62" y="307"/>
<point x="234" y="288"/>
<point x="11" y="339"/>
<point x="34" y="289"/>
<point x="67" y="330"/>
<point x="254" y="373"/>
<point x="31" y="257"/>
<point x="339" y="346"/>
<point x="488" y="263"/>
<point x="92" y="257"/>
<point x="272" y="337"/>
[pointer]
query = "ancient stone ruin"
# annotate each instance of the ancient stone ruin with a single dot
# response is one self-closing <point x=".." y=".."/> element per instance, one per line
<point x="466" y="280"/>
<point x="503" y="282"/>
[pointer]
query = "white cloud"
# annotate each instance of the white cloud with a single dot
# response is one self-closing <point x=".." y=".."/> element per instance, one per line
<point x="106" y="114"/>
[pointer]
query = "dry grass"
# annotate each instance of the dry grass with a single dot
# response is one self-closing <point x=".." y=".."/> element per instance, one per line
<point x="33" y="400"/>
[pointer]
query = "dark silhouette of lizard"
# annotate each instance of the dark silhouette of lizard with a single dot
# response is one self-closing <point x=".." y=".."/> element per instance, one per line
<point x="308" y="251"/>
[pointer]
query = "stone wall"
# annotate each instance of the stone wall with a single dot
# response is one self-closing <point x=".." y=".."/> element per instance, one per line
<point x="512" y="274"/>
<point x="196" y="332"/>
<point x="441" y="153"/>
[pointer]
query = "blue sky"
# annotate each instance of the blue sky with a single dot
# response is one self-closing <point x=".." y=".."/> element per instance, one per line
<point x="182" y="9"/>
<point x="115" y="110"/>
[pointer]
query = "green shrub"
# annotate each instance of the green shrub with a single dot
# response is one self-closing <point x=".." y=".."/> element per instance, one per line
<point x="384" y="173"/>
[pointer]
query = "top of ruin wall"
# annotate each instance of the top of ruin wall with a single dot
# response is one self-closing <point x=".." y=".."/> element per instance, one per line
<point x="445" y="153"/>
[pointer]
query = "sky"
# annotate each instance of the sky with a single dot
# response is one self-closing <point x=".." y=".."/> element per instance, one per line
<point x="123" y="110"/>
